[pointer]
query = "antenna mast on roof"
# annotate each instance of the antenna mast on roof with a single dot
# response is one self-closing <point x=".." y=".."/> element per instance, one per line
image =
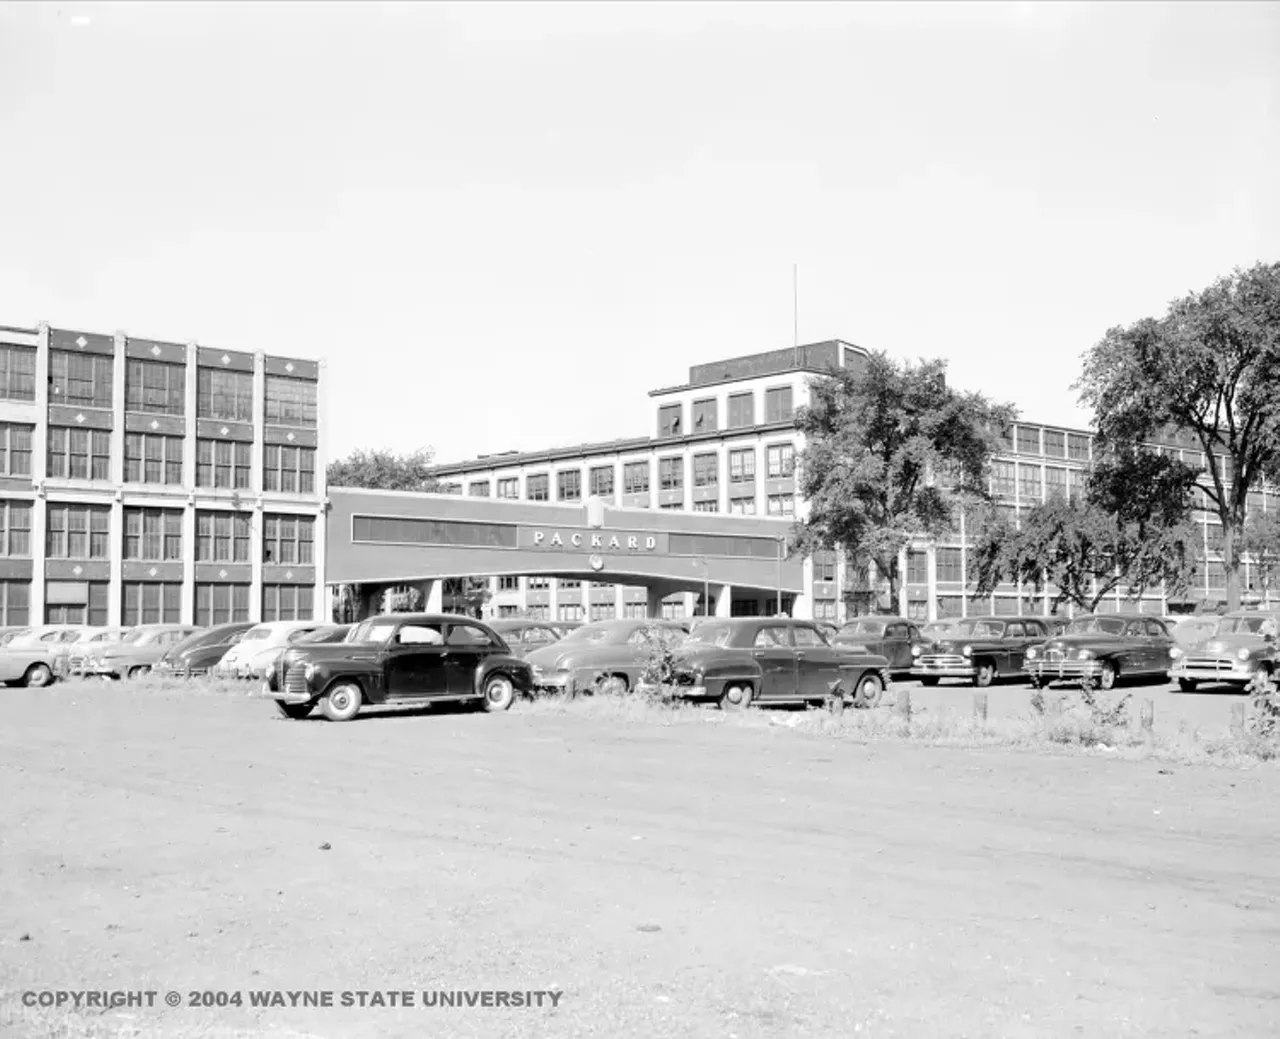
<point x="795" y="309"/>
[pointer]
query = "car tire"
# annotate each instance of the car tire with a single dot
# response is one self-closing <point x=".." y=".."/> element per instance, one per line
<point x="869" y="693"/>
<point x="342" y="702"/>
<point x="736" y="697"/>
<point x="1107" y="676"/>
<point x="37" y="676"/>
<point x="1187" y="685"/>
<point x="985" y="674"/>
<point x="499" y="693"/>
<point x="137" y="672"/>
<point x="929" y="680"/>
<point x="612" y="685"/>
<point x="295" y="711"/>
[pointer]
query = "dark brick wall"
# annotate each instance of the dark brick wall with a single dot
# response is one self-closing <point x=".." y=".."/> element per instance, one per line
<point x="812" y="355"/>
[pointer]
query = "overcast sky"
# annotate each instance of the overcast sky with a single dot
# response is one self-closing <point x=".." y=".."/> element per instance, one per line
<point x="503" y="224"/>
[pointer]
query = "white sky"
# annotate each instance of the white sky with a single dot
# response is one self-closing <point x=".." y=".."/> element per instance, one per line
<point x="503" y="224"/>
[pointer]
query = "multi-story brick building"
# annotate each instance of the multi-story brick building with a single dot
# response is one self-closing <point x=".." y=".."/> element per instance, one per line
<point x="145" y="481"/>
<point x="725" y="441"/>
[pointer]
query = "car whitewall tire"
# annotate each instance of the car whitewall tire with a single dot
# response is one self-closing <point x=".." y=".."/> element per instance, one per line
<point x="342" y="702"/>
<point x="869" y="692"/>
<point x="736" y="697"/>
<point x="499" y="693"/>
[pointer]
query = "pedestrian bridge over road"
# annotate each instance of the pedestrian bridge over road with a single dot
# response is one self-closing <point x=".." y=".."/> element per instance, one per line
<point x="383" y="539"/>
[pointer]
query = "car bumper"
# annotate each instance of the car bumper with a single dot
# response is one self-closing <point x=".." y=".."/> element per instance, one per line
<point x="271" y="693"/>
<point x="943" y="671"/>
<point x="103" y="670"/>
<point x="1214" y="671"/>
<point x="1052" y="670"/>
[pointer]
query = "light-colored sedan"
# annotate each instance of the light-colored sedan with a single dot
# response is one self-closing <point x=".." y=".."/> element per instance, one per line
<point x="135" y="654"/>
<point x="256" y="652"/>
<point x="28" y="658"/>
<point x="69" y="654"/>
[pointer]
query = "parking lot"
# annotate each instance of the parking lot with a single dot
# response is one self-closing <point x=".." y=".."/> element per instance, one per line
<point x="709" y="877"/>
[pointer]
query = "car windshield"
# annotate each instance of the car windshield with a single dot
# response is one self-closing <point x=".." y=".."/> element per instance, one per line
<point x="863" y="628"/>
<point x="1096" y="626"/>
<point x="372" y="631"/>
<point x="710" y="635"/>
<point x="254" y="634"/>
<point x="991" y="629"/>
<point x="1240" y="625"/>
<point x="597" y="633"/>
<point x="137" y="635"/>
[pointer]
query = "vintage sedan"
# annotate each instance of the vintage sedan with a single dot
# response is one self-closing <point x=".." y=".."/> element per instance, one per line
<point x="981" y="650"/>
<point x="197" y="653"/>
<point x="1100" y="648"/>
<point x="257" y="650"/>
<point x="28" y="658"/>
<point x="604" y="656"/>
<point x="137" y="652"/>
<point x="524" y="636"/>
<point x="71" y="653"/>
<point x="895" y="638"/>
<point x="1237" y="650"/>
<point x="400" y="658"/>
<point x="937" y="631"/>
<point x="774" y="660"/>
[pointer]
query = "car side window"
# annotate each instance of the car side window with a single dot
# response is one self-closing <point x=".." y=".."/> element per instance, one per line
<point x="1156" y="630"/>
<point x="468" y="635"/>
<point x="420" y="635"/>
<point x="807" y="636"/>
<point x="896" y="631"/>
<point x="1014" y="630"/>
<point x="913" y="631"/>
<point x="1035" y="629"/>
<point x="771" y="638"/>
<point x="1135" y="629"/>
<point x="537" y="636"/>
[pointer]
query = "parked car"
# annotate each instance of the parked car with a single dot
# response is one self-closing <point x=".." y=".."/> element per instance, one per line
<point x="398" y="659"/>
<point x="201" y="650"/>
<point x="324" y="635"/>
<point x="1102" y="647"/>
<point x="9" y="633"/>
<point x="827" y="628"/>
<point x="564" y="627"/>
<point x="981" y="650"/>
<point x="606" y="656"/>
<point x="256" y="652"/>
<point x="936" y="631"/>
<point x="69" y="654"/>
<point x="1055" y="625"/>
<point x="1192" y="630"/>
<point x="1237" y="649"/>
<point x="137" y="652"/>
<point x="524" y="636"/>
<point x="895" y="638"/>
<point x="28" y="657"/>
<point x="774" y="660"/>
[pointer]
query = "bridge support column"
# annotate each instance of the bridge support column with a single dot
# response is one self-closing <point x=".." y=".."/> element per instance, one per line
<point x="722" y="595"/>
<point x="432" y="595"/>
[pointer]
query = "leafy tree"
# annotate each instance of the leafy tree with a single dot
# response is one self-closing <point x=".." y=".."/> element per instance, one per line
<point x="1262" y="543"/>
<point x="385" y="470"/>
<point x="1086" y="547"/>
<point x="1209" y="368"/>
<point x="890" y="453"/>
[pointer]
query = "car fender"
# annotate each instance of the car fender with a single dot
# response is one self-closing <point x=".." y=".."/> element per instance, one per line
<point x="512" y="666"/>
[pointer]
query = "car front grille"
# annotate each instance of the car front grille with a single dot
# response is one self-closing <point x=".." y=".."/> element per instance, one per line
<point x="939" y="661"/>
<point x="1212" y="663"/>
<point x="295" y="681"/>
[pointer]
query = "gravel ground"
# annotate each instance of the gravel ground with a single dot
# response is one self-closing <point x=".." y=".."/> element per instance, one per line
<point x="707" y="878"/>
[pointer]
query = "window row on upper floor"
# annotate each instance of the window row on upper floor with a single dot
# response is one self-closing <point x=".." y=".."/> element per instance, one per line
<point x="779" y="406"/>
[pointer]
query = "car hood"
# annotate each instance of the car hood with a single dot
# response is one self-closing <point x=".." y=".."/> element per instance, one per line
<point x="1067" y="642"/>
<point x="1232" y="643"/>
<point x="330" y="652"/>
<point x="552" y="658"/>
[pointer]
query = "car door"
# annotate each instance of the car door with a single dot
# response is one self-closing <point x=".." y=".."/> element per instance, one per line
<point x="1137" y="652"/>
<point x="415" y="661"/>
<point x="1161" y="643"/>
<point x="466" y="647"/>
<point x="897" y="646"/>
<point x="817" y="664"/>
<point x="772" y="650"/>
<point x="1033" y="634"/>
<point x="1012" y="642"/>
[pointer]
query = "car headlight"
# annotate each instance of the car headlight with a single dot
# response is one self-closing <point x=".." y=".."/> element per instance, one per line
<point x="916" y="651"/>
<point x="1031" y="654"/>
<point x="1243" y="653"/>
<point x="1085" y="654"/>
<point x="309" y="671"/>
<point x="1175" y="653"/>
<point x="967" y="651"/>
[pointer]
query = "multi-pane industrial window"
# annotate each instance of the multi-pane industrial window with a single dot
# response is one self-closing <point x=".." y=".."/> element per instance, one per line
<point x="704" y="416"/>
<point x="221" y="604"/>
<point x="602" y="481"/>
<point x="568" y="584"/>
<point x="782" y="505"/>
<point x="634" y="610"/>
<point x="79" y="454"/>
<point x="225" y="395"/>
<point x="15" y="449"/>
<point x="479" y="489"/>
<point x="949" y="565"/>
<point x="537" y="584"/>
<point x="742" y="411"/>
<point x="288" y="539"/>
<point x="824" y="566"/>
<point x="153" y="534"/>
<point x="92" y="612"/>
<point x="152" y="458"/>
<point x="15" y="602"/>
<point x="80" y="380"/>
<point x="706" y="506"/>
<point x="290" y="402"/>
<point x="635" y="478"/>
<point x="706" y="470"/>
<point x="742" y="506"/>
<point x="290" y="470"/>
<point x="509" y="487"/>
<point x="222" y="537"/>
<point x="1002" y="478"/>
<point x="152" y="602"/>
<point x="1216" y="573"/>
<point x="671" y="474"/>
<point x="669" y="420"/>
<point x="1055" y="483"/>
<point x="15" y="528"/>
<point x="777" y="404"/>
<point x="1030" y="486"/>
<point x="603" y="611"/>
<point x="1029" y="440"/>
<point x="742" y="466"/>
<point x="287" y="602"/>
<point x="781" y="460"/>
<point x="569" y="485"/>
<point x="1078" y="447"/>
<point x="1213" y="537"/>
<point x="538" y="488"/>
<point x="569" y="611"/>
<point x="155" y="386"/>
<point x="223" y="463"/>
<point x="1055" y="443"/>
<point x="917" y="568"/>
<point x="78" y="532"/>
<point x="508" y="583"/>
<point x="824" y="609"/>
<point x="17" y="374"/>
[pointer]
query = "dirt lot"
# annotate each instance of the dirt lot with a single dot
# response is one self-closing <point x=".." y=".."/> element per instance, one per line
<point x="707" y="878"/>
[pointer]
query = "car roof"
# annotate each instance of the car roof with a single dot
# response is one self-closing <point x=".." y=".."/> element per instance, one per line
<point x="887" y="618"/>
<point x="423" y="618"/>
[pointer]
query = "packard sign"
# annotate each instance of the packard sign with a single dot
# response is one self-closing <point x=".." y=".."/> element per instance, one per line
<point x="637" y="542"/>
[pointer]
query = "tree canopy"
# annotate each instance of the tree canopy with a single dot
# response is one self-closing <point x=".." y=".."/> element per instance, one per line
<point x="385" y="470"/>
<point x="1209" y="369"/>
<point x="890" y="452"/>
